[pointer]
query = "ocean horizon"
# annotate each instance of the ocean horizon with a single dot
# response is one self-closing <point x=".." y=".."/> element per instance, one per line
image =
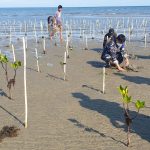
<point x="20" y="13"/>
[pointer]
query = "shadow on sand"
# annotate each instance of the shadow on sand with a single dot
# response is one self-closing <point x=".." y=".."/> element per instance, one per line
<point x="96" y="64"/>
<point x="54" y="77"/>
<point x="114" y="112"/>
<point x="3" y="94"/>
<point x="143" y="57"/>
<point x="90" y="87"/>
<point x="1" y="107"/>
<point x="91" y="130"/>
<point x="98" y="50"/>
<point x="134" y="79"/>
<point x="31" y="69"/>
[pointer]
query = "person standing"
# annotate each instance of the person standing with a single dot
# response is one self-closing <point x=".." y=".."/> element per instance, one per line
<point x="58" y="16"/>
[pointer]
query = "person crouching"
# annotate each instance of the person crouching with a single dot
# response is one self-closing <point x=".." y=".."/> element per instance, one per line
<point x="114" y="52"/>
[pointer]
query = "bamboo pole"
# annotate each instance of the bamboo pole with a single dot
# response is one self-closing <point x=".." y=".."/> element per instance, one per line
<point x="104" y="73"/>
<point x="145" y="40"/>
<point x="13" y="50"/>
<point x="20" y="28"/>
<point x="93" y="34"/>
<point x="37" y="60"/>
<point x="25" y="84"/>
<point x="44" y="46"/>
<point x="86" y="43"/>
<point x="26" y="42"/>
<point x="36" y="39"/>
<point x="67" y="46"/>
<point x="10" y="37"/>
<point x="65" y="64"/>
<point x="129" y="33"/>
<point x="41" y="24"/>
<point x="25" y="26"/>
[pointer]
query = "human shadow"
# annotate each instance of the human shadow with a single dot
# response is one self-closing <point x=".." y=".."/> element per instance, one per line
<point x="115" y="113"/>
<point x="91" y="130"/>
<point x="143" y="57"/>
<point x="96" y="64"/>
<point x="134" y="79"/>
<point x="12" y="115"/>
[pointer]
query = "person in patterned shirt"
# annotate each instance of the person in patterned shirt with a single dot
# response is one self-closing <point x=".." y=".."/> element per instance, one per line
<point x="114" y="52"/>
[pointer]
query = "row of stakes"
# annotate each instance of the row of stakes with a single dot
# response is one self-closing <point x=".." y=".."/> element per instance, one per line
<point x="85" y="38"/>
<point x="66" y="55"/>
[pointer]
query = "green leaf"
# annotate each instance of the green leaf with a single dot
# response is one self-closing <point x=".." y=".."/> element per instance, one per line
<point x="139" y="104"/>
<point x="16" y="64"/>
<point x="3" y="58"/>
<point x="127" y="99"/>
<point x="123" y="91"/>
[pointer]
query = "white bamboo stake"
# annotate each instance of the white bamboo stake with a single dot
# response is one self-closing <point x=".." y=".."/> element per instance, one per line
<point x="36" y="40"/>
<point x="37" y="60"/>
<point x="25" y="84"/>
<point x="34" y="27"/>
<point x="14" y="30"/>
<point x="13" y="50"/>
<point x="83" y="33"/>
<point x="65" y="65"/>
<point x="44" y="46"/>
<point x="80" y="33"/>
<point x="41" y="24"/>
<point x="145" y="40"/>
<point x="10" y="36"/>
<point x="67" y="46"/>
<point x="26" y="42"/>
<point x="86" y="42"/>
<point x="25" y="25"/>
<point x="20" y="28"/>
<point x="129" y="34"/>
<point x="104" y="73"/>
<point x="93" y="34"/>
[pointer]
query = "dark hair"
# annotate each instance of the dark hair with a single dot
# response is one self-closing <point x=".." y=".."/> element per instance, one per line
<point x="59" y="7"/>
<point x="49" y="19"/>
<point x="121" y="38"/>
<point x="111" y="31"/>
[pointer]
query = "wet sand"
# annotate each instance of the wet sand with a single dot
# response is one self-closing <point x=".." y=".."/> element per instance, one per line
<point x="74" y="114"/>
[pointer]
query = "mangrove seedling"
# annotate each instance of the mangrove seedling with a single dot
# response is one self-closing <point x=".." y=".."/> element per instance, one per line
<point x="4" y="63"/>
<point x="126" y="99"/>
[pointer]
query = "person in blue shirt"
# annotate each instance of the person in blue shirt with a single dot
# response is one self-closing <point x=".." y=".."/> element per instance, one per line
<point x="114" y="52"/>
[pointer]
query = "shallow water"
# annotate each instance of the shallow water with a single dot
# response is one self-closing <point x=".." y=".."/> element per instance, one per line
<point x="81" y="22"/>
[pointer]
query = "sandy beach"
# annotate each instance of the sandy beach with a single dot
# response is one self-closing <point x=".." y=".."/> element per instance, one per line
<point x="74" y="114"/>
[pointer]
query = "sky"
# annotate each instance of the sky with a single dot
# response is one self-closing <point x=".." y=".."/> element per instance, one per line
<point x="72" y="3"/>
